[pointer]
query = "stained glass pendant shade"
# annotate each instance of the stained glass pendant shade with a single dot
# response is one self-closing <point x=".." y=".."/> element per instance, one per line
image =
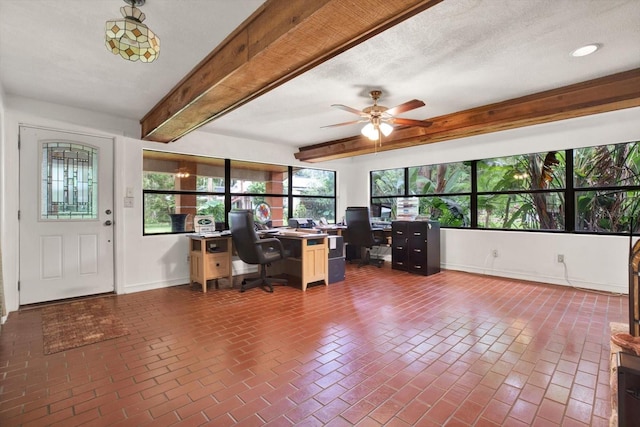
<point x="129" y="37"/>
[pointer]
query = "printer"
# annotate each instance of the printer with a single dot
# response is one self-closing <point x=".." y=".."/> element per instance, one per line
<point x="301" y="223"/>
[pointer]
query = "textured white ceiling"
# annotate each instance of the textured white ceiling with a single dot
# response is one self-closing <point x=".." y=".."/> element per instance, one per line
<point x="456" y="55"/>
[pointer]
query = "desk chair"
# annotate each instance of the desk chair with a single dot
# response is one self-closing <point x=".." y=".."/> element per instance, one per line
<point x="360" y="234"/>
<point x="253" y="250"/>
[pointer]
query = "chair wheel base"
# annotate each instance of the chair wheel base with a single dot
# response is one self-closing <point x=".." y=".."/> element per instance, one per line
<point x="266" y="283"/>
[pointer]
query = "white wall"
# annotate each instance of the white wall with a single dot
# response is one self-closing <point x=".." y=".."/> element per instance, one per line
<point x="142" y="262"/>
<point x="3" y="192"/>
<point x="595" y="262"/>
<point x="145" y="265"/>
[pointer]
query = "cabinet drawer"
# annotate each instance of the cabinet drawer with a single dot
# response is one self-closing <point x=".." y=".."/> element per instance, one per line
<point x="398" y="256"/>
<point x="218" y="265"/>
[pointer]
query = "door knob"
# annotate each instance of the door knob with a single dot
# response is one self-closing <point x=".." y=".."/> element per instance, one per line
<point x="108" y="222"/>
<point x="108" y="211"/>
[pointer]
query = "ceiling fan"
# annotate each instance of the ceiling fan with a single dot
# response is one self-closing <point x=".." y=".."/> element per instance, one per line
<point x="380" y="118"/>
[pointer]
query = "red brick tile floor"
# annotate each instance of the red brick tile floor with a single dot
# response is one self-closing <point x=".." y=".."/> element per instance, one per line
<point x="382" y="347"/>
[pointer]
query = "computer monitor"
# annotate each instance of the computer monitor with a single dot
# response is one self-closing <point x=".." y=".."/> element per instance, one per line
<point x="385" y="213"/>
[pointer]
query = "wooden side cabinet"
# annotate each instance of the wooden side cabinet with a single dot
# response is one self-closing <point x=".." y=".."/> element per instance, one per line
<point x="415" y="246"/>
<point x="210" y="259"/>
<point x="307" y="258"/>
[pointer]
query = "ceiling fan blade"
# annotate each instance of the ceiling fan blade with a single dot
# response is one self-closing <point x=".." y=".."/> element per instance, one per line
<point x="351" y="110"/>
<point x="407" y="106"/>
<point x="410" y="122"/>
<point x="353" y="122"/>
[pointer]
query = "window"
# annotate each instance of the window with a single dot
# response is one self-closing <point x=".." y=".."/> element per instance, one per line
<point x="444" y="192"/>
<point x="592" y="189"/>
<point x="261" y="188"/>
<point x="314" y="194"/>
<point x="69" y="185"/>
<point x="520" y="192"/>
<point x="389" y="182"/>
<point x="177" y="187"/>
<point x="607" y="187"/>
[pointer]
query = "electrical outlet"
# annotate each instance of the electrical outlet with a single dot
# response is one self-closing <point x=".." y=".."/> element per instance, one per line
<point x="494" y="253"/>
<point x="188" y="258"/>
<point x="560" y="258"/>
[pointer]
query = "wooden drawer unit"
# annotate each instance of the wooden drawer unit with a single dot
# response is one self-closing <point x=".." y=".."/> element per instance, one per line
<point x="415" y="246"/>
<point x="307" y="258"/>
<point x="210" y="259"/>
<point x="218" y="265"/>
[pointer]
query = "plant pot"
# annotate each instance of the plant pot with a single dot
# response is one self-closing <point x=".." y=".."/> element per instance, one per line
<point x="178" y="222"/>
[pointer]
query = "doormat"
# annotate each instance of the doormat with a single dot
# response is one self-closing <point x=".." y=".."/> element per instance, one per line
<point x="78" y="323"/>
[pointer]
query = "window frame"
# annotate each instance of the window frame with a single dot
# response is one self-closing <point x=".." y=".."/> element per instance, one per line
<point x="569" y="192"/>
<point x="228" y="195"/>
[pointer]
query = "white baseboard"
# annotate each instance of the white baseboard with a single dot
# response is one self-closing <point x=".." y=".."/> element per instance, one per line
<point x="237" y="267"/>
<point x="569" y="282"/>
<point x="154" y="285"/>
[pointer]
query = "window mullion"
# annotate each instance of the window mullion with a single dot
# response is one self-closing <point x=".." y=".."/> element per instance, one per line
<point x="473" y="208"/>
<point x="569" y="194"/>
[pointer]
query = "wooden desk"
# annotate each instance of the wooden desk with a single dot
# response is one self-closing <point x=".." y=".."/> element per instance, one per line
<point x="332" y="229"/>
<point x="210" y="259"/>
<point x="341" y="230"/>
<point x="308" y="257"/>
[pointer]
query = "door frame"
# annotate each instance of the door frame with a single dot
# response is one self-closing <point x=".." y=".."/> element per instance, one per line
<point x="117" y="180"/>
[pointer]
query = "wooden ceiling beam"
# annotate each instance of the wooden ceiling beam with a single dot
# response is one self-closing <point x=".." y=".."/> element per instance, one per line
<point x="600" y="95"/>
<point x="280" y="41"/>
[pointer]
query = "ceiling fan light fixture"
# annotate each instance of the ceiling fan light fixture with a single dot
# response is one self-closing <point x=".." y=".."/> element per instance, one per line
<point x="386" y="129"/>
<point x="370" y="131"/>
<point x="129" y="37"/>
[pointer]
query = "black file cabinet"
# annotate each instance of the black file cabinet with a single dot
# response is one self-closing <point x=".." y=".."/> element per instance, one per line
<point x="415" y="246"/>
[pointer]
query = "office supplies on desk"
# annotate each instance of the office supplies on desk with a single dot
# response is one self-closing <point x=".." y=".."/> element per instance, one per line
<point x="301" y="223"/>
<point x="204" y="224"/>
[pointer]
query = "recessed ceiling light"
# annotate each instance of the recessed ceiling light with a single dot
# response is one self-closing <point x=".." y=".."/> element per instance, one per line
<point x="585" y="50"/>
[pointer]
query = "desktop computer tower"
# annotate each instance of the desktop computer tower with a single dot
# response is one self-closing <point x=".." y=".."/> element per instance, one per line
<point x="336" y="246"/>
<point x="336" y="259"/>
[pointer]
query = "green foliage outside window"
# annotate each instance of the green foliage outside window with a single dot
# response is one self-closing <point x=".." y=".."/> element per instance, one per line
<point x="527" y="208"/>
<point x="527" y="191"/>
<point x="444" y="178"/>
<point x="316" y="189"/>
<point x="388" y="182"/>
<point x="608" y="169"/>
<point x="536" y="171"/>
<point x="447" y="180"/>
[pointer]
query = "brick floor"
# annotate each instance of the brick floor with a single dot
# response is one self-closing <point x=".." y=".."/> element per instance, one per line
<point x="381" y="348"/>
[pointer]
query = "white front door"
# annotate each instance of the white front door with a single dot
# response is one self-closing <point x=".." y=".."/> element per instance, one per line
<point x="66" y="215"/>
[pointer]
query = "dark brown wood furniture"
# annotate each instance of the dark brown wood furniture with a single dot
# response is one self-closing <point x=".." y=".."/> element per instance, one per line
<point x="415" y="246"/>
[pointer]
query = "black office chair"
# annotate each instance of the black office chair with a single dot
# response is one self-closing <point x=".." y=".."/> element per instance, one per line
<point x="254" y="250"/>
<point x="361" y="235"/>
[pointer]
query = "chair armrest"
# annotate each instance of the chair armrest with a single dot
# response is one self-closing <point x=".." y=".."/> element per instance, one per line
<point x="273" y="243"/>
